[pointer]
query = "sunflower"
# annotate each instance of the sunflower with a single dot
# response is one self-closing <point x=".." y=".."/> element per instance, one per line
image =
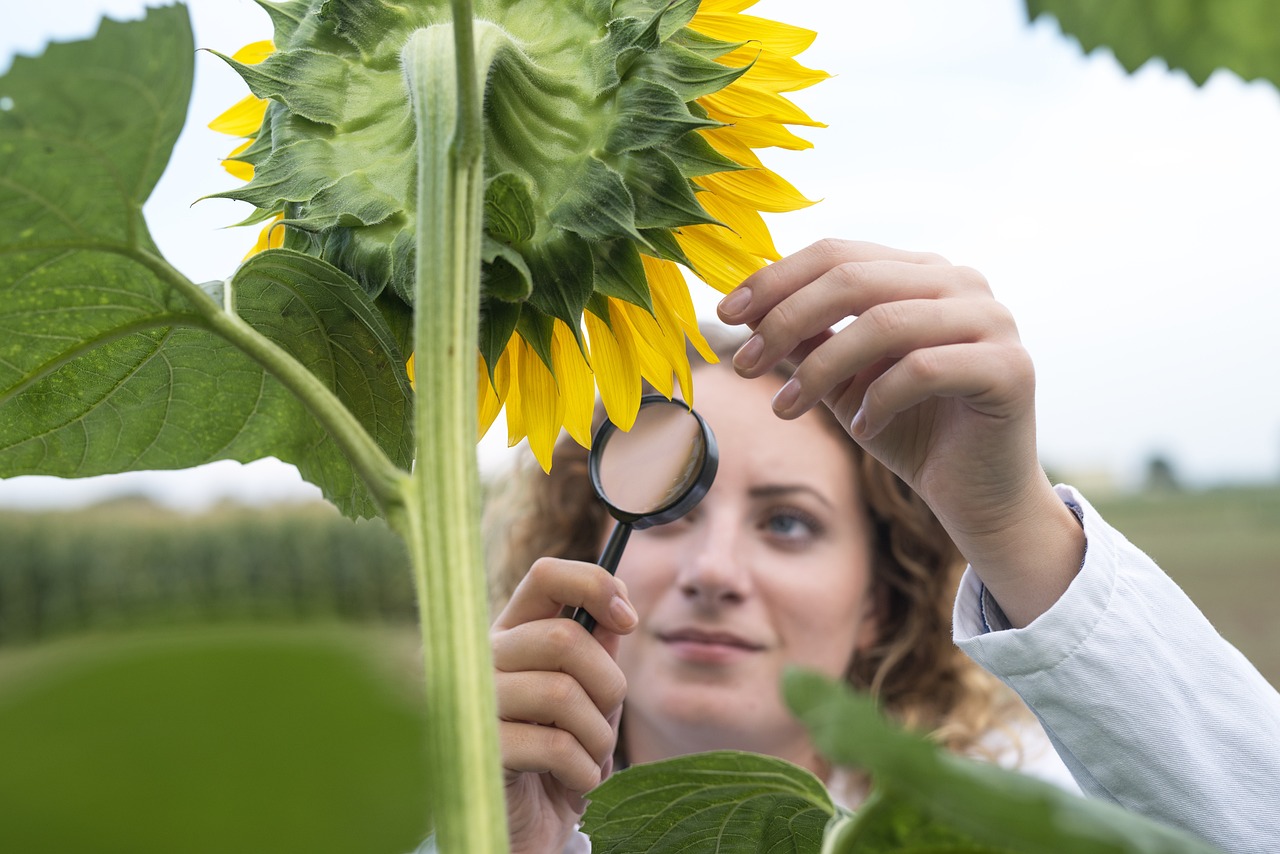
<point x="621" y="144"/>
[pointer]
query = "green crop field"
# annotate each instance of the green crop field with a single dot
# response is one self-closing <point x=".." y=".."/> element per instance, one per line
<point x="1223" y="547"/>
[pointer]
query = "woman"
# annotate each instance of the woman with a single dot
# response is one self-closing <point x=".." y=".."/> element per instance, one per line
<point x="838" y="555"/>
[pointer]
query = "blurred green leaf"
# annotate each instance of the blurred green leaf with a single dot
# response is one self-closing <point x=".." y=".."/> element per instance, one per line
<point x="998" y="810"/>
<point x="107" y="358"/>
<point x="886" y="823"/>
<point x="722" y="802"/>
<point x="235" y="738"/>
<point x="1197" y="36"/>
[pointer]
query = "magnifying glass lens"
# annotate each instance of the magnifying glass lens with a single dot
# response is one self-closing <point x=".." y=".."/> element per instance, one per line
<point x="649" y="467"/>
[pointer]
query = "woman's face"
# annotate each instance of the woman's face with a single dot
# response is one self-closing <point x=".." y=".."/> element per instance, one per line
<point x="771" y="569"/>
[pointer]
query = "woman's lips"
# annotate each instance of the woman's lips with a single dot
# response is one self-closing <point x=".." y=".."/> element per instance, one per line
<point x="708" y="647"/>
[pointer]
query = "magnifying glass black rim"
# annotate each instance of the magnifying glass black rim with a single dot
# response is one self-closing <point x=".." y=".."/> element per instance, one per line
<point x="684" y="501"/>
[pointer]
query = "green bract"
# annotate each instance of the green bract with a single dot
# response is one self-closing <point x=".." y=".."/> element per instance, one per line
<point x="588" y="153"/>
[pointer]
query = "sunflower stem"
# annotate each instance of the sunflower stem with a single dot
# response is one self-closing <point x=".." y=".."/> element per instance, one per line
<point x="441" y="506"/>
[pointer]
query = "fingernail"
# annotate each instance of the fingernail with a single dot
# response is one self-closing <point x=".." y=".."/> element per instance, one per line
<point x="735" y="303"/>
<point x="623" y="614"/>
<point x="748" y="354"/>
<point x="786" y="396"/>
<point x="859" y="425"/>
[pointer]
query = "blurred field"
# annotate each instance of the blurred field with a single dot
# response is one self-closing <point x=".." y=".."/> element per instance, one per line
<point x="247" y="681"/>
<point x="1223" y="547"/>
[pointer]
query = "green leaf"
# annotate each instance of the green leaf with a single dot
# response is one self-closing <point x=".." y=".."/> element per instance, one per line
<point x="723" y="802"/>
<point x="620" y="273"/>
<point x="509" y="211"/>
<point x="650" y="116"/>
<point x="399" y="319"/>
<point x="155" y="389"/>
<point x="304" y="80"/>
<point x="498" y="320"/>
<point x="695" y="157"/>
<point x="563" y="277"/>
<point x="960" y="798"/>
<point x="365" y="23"/>
<point x="663" y="196"/>
<point x="706" y="46"/>
<point x="326" y="321"/>
<point x="1197" y="36"/>
<point x="690" y="75"/>
<point x="663" y="244"/>
<point x="895" y="824"/>
<point x="537" y="328"/>
<point x="108" y="357"/>
<point x="504" y="274"/>
<point x="287" y="16"/>
<point x="89" y="129"/>
<point x="597" y="206"/>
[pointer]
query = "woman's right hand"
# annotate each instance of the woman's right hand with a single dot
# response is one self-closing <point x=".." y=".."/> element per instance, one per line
<point x="560" y="695"/>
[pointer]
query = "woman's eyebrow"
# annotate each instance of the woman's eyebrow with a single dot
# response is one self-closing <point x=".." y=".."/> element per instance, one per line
<point x="776" y="490"/>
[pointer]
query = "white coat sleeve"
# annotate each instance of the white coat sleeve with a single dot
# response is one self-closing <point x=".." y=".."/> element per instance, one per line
<point x="1145" y="702"/>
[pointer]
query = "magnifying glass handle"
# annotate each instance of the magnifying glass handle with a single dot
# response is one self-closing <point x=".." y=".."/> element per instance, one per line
<point x="609" y="560"/>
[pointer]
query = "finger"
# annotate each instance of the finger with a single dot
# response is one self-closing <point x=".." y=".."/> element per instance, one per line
<point x="794" y="271"/>
<point x="886" y="333"/>
<point x="555" y="700"/>
<point x="552" y="585"/>
<point x="849" y="290"/>
<point x="560" y="645"/>
<point x="988" y="376"/>
<point x="539" y="749"/>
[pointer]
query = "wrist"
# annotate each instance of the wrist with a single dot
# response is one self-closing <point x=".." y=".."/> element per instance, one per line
<point x="1028" y="559"/>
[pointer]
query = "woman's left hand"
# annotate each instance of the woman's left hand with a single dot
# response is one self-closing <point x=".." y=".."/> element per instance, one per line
<point x="932" y="379"/>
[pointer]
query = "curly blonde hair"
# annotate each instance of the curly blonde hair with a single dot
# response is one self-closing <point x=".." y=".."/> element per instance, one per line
<point x="920" y="678"/>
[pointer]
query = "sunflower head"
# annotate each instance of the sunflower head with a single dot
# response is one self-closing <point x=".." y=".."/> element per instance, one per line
<point x="619" y="139"/>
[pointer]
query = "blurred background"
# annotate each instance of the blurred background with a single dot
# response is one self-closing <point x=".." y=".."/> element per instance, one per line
<point x="214" y="660"/>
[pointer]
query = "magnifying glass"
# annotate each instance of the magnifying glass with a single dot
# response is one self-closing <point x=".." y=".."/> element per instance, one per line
<point x="651" y="474"/>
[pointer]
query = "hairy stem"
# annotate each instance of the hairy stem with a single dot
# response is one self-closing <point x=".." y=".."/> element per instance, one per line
<point x="441" y="514"/>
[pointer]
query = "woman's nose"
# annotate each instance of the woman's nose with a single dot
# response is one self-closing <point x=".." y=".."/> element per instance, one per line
<point x="712" y="569"/>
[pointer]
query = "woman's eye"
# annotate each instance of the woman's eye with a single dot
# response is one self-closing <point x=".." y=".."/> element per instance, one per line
<point x="791" y="525"/>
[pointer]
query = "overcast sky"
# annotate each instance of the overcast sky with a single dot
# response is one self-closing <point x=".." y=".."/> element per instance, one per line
<point x="1130" y="222"/>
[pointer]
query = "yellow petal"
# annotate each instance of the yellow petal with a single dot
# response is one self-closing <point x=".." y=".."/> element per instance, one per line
<point x="238" y="168"/>
<point x="270" y="237"/>
<point x="254" y="52"/>
<point x="651" y="350"/>
<point x="664" y="332"/>
<point x="770" y="70"/>
<point x="577" y="385"/>
<point x="671" y="294"/>
<point x="716" y="261"/>
<point x="730" y="144"/>
<point x="762" y="189"/>
<point x="493" y="393"/>
<point x="541" y="403"/>
<point x="745" y="224"/>
<point x="725" y="7"/>
<point x="409" y="369"/>
<point x="670" y="321"/>
<point x="744" y="101"/>
<point x="760" y="133"/>
<point x="243" y="119"/>
<point x="613" y="359"/>
<point x="777" y="37"/>
<point x="515" y="406"/>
